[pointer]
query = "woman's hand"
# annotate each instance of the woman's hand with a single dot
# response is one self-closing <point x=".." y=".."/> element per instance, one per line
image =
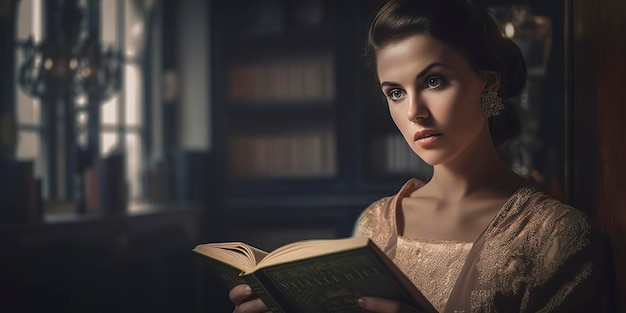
<point x="381" y="305"/>
<point x="240" y="294"/>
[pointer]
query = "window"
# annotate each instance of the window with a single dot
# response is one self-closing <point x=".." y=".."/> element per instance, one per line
<point x="29" y="124"/>
<point x="121" y="123"/>
<point x="122" y="118"/>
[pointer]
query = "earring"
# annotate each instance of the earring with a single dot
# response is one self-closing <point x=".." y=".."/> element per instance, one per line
<point x="491" y="103"/>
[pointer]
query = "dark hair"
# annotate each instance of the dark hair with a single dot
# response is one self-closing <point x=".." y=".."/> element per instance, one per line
<point x="468" y="28"/>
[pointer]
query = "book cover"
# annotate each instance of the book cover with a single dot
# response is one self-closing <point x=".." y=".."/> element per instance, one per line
<point x="20" y="192"/>
<point x="317" y="276"/>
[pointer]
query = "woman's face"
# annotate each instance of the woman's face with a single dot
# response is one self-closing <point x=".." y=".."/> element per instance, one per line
<point x="433" y="96"/>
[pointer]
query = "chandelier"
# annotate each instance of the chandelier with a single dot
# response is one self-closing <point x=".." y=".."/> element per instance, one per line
<point x="72" y="73"/>
<point x="70" y="62"/>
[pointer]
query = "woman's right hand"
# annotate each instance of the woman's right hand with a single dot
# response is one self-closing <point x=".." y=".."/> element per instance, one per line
<point x="240" y="294"/>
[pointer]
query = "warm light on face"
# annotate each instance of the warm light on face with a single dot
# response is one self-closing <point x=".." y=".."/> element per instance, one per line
<point x="433" y="95"/>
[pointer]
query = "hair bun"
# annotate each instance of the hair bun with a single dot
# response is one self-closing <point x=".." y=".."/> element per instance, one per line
<point x="513" y="76"/>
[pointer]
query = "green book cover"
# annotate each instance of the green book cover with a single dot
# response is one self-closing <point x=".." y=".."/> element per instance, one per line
<point x="315" y="276"/>
<point x="231" y="277"/>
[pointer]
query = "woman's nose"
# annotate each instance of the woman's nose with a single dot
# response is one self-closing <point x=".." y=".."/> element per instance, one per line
<point x="417" y="109"/>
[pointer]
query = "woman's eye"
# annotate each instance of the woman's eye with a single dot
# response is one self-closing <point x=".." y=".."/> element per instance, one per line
<point x="395" y="94"/>
<point x="434" y="82"/>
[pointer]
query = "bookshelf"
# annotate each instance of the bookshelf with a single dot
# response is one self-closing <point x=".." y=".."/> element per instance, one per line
<point x="291" y="74"/>
<point x="296" y="112"/>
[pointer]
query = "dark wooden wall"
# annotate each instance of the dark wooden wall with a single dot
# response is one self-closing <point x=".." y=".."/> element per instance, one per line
<point x="7" y="83"/>
<point x="598" y="146"/>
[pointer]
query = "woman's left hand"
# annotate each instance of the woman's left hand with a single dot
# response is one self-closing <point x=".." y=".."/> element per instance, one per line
<point x="381" y="305"/>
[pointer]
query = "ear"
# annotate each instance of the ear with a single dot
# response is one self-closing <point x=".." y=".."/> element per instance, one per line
<point x="492" y="80"/>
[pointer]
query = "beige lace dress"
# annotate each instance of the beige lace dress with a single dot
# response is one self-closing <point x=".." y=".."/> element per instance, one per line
<point x="535" y="256"/>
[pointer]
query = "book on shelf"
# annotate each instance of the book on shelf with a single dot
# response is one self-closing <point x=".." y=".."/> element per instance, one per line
<point x="189" y="174"/>
<point x="113" y="187"/>
<point x="294" y="80"/>
<point x="392" y="155"/>
<point x="327" y="275"/>
<point x="20" y="192"/>
<point x="297" y="154"/>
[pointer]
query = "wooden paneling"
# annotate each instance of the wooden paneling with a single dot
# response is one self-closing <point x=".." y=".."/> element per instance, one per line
<point x="8" y="136"/>
<point x="598" y="142"/>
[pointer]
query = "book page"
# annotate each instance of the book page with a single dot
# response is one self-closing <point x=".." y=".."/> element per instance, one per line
<point x="237" y="254"/>
<point x="257" y="254"/>
<point x="309" y="248"/>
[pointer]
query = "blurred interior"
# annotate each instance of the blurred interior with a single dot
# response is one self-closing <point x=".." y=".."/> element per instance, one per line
<point x="132" y="130"/>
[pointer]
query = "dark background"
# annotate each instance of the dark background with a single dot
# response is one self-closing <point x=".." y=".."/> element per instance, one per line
<point x="140" y="262"/>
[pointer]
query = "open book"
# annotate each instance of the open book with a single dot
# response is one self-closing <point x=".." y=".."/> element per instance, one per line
<point x="313" y="275"/>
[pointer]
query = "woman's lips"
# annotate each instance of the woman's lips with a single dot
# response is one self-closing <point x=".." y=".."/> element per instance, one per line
<point x="425" y="141"/>
<point x="426" y="137"/>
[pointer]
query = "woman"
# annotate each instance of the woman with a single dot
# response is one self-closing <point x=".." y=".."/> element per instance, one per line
<point x="476" y="237"/>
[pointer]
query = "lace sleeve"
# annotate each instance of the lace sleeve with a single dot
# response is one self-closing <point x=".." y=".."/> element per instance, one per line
<point x="567" y="277"/>
<point x="378" y="223"/>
